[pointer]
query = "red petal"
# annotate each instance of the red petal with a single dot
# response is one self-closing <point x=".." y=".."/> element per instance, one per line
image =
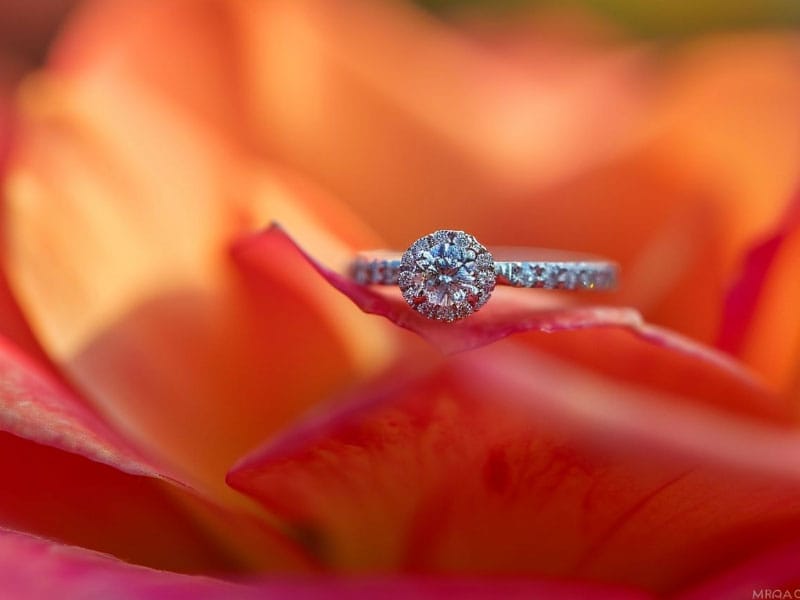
<point x="33" y="569"/>
<point x="507" y="462"/>
<point x="67" y="475"/>
<point x="508" y="311"/>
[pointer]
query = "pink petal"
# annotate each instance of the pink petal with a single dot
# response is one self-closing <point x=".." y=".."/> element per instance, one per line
<point x="508" y="312"/>
<point x="507" y="462"/>
<point x="33" y="569"/>
<point x="67" y="475"/>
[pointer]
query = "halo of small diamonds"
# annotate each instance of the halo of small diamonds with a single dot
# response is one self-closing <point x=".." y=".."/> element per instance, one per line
<point x="446" y="275"/>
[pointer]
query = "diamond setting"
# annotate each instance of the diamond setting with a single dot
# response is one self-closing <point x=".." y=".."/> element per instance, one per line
<point x="446" y="275"/>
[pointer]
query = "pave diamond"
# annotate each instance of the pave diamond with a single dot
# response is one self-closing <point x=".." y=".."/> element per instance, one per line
<point x="447" y="275"/>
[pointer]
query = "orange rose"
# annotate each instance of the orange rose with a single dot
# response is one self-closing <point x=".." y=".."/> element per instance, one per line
<point x="201" y="393"/>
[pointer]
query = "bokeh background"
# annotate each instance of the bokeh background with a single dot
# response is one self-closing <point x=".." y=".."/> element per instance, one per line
<point x="143" y="141"/>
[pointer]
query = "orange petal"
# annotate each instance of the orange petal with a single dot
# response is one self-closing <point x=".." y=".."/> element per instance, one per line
<point x="420" y="123"/>
<point x="120" y="208"/>
<point x="419" y="127"/>
<point x="508" y="462"/>
<point x="415" y="121"/>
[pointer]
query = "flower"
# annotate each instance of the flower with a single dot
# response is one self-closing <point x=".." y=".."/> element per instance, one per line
<point x="189" y="389"/>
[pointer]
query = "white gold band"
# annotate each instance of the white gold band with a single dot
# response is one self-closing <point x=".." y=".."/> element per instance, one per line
<point x="549" y="275"/>
<point x="448" y="275"/>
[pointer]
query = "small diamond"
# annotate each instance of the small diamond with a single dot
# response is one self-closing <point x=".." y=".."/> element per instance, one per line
<point x="461" y="239"/>
<point x="586" y="279"/>
<point x="566" y="278"/>
<point x="526" y="275"/>
<point x="448" y="277"/>
<point x="420" y="245"/>
<point x="404" y="279"/>
<point x="375" y="272"/>
<point x="443" y="236"/>
<point x="550" y="276"/>
<point x="604" y="279"/>
<point x="484" y="260"/>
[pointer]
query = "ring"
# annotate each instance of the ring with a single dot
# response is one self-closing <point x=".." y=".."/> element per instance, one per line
<point x="448" y="275"/>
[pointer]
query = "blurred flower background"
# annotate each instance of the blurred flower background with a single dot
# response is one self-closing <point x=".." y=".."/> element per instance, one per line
<point x="193" y="392"/>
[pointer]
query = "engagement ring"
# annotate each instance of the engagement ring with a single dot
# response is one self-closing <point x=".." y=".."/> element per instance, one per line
<point x="448" y="275"/>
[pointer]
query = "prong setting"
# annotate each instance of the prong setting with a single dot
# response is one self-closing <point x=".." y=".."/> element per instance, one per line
<point x="446" y="275"/>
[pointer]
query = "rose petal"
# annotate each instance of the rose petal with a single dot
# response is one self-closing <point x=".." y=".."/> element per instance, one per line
<point x="504" y="315"/>
<point x="33" y="569"/>
<point x="391" y="89"/>
<point x="507" y="462"/>
<point x="67" y="475"/>
<point x="133" y="293"/>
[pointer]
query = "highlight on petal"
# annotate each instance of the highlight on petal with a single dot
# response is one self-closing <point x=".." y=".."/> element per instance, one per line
<point x="505" y="461"/>
<point x="67" y="475"/>
<point x="36" y="569"/>
<point x="508" y="312"/>
<point x="13" y="324"/>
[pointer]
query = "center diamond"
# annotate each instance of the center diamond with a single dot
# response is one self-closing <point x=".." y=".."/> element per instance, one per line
<point x="446" y="275"/>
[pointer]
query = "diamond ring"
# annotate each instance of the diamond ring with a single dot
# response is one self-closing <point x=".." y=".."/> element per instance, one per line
<point x="448" y="275"/>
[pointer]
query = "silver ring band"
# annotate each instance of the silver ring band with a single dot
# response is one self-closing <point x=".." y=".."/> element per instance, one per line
<point x="595" y="275"/>
<point x="448" y="275"/>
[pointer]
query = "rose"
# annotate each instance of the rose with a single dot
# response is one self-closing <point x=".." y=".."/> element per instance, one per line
<point x="134" y="176"/>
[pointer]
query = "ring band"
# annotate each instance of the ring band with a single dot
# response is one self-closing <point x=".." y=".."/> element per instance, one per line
<point x="448" y="274"/>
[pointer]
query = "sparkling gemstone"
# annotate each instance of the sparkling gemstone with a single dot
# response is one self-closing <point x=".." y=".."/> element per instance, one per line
<point x="448" y="276"/>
